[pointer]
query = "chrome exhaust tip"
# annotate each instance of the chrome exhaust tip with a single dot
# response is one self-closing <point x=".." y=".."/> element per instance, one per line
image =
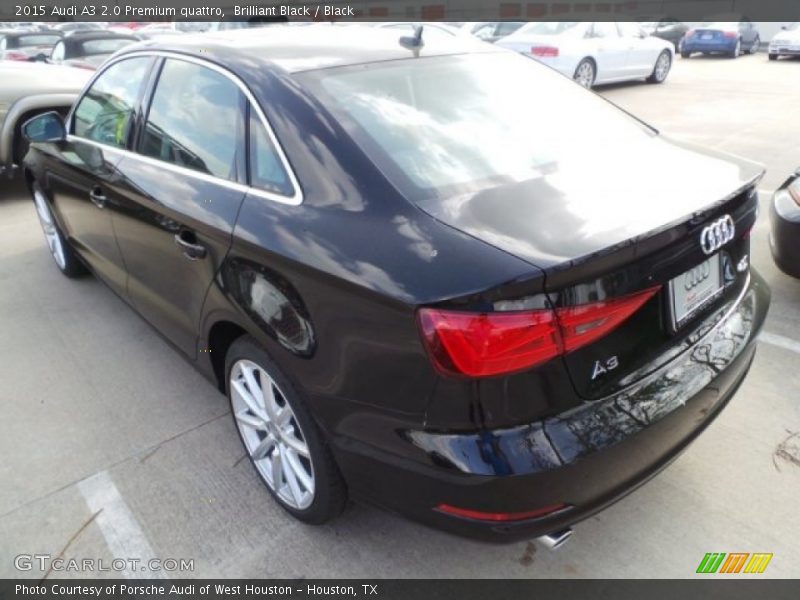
<point x="553" y="541"/>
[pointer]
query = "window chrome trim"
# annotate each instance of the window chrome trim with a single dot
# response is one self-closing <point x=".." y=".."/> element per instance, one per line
<point x="295" y="200"/>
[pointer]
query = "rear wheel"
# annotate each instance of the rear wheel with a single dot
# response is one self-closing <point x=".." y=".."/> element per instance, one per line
<point x="64" y="256"/>
<point x="281" y="438"/>
<point x="585" y="73"/>
<point x="661" y="68"/>
<point x="755" y="46"/>
<point x="737" y="49"/>
<point x="773" y="57"/>
<point x="685" y="54"/>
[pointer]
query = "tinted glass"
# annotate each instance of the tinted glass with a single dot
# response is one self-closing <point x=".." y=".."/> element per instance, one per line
<point x="90" y="47"/>
<point x="501" y="118"/>
<point x="105" y="112"/>
<point x="554" y="28"/>
<point x="29" y="41"/>
<point x="604" y="29"/>
<point x="195" y="120"/>
<point x="266" y="169"/>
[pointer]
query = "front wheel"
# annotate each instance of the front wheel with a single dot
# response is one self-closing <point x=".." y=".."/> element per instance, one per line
<point x="661" y="68"/>
<point x="773" y="57"/>
<point x="64" y="256"/>
<point x="585" y="73"/>
<point x="280" y="437"/>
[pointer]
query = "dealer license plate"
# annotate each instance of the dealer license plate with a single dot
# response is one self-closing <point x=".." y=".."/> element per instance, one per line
<point x="694" y="290"/>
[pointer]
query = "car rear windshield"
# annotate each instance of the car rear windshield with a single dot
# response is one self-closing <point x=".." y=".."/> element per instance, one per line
<point x="29" y="41"/>
<point x="92" y="47"/>
<point x="442" y="126"/>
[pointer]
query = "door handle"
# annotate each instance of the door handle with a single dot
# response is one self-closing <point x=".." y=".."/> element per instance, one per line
<point x="97" y="197"/>
<point x="186" y="241"/>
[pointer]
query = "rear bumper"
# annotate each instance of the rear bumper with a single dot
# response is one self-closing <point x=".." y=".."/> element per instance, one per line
<point x="784" y="50"/>
<point x="713" y="46"/>
<point x="784" y="238"/>
<point x="587" y="458"/>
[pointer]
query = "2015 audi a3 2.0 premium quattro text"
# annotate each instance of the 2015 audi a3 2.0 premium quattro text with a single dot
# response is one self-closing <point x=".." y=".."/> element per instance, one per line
<point x="429" y="274"/>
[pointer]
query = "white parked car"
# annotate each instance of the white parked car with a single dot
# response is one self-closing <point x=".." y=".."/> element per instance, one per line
<point x="595" y="52"/>
<point x="786" y="42"/>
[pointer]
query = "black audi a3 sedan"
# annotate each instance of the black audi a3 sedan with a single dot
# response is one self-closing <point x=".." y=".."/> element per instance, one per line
<point x="429" y="274"/>
<point x="784" y="238"/>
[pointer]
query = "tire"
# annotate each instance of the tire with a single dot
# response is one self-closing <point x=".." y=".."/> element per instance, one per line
<point x="64" y="256"/>
<point x="661" y="68"/>
<point x="737" y="49"/>
<point x="755" y="46"/>
<point x="291" y="445"/>
<point x="685" y="54"/>
<point x="585" y="73"/>
<point x="773" y="57"/>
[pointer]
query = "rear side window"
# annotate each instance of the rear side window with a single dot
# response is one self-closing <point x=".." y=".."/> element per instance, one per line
<point x="266" y="168"/>
<point x="31" y="41"/>
<point x="93" y="47"/>
<point x="105" y="113"/>
<point x="195" y="120"/>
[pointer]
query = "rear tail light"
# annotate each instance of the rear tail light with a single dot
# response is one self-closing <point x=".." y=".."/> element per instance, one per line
<point x="544" y="51"/>
<point x="500" y="517"/>
<point x="11" y="55"/>
<point x="690" y="33"/>
<point x="584" y="324"/>
<point x="487" y="344"/>
<point x="730" y="35"/>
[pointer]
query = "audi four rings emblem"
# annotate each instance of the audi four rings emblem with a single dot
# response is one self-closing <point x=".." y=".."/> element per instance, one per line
<point x="715" y="236"/>
<point x="697" y="275"/>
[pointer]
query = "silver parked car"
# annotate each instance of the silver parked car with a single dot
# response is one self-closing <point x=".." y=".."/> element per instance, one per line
<point x="595" y="52"/>
<point x="29" y="89"/>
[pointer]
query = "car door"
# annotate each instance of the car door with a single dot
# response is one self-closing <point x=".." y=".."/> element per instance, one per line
<point x="608" y="49"/>
<point x="84" y="179"/>
<point x="182" y="190"/>
<point x="747" y="32"/>
<point x="642" y="50"/>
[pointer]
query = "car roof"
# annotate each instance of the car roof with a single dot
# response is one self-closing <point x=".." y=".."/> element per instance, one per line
<point x="318" y="46"/>
<point x="83" y="35"/>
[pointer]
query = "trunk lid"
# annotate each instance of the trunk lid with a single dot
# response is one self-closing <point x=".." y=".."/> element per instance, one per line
<point x="602" y="230"/>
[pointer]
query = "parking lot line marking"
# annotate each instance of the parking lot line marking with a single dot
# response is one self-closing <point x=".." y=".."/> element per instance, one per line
<point x="780" y="341"/>
<point x="122" y="532"/>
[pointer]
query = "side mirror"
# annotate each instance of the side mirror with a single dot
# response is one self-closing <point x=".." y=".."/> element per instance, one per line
<point x="47" y="127"/>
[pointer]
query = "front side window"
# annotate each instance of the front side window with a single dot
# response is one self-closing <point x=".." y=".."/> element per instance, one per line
<point x="105" y="112"/>
<point x="266" y="169"/>
<point x="195" y="120"/>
